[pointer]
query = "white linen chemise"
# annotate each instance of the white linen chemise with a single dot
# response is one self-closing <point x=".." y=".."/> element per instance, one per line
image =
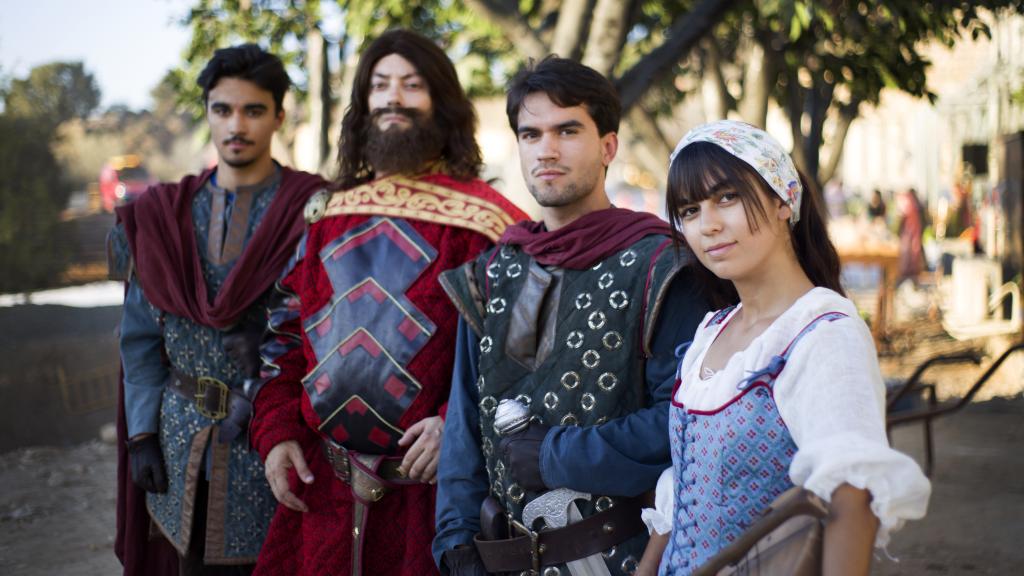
<point x="831" y="397"/>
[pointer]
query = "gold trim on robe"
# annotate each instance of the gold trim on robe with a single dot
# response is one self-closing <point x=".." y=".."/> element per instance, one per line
<point x="405" y="197"/>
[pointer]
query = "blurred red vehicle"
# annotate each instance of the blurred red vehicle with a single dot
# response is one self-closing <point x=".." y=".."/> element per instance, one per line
<point x="122" y="179"/>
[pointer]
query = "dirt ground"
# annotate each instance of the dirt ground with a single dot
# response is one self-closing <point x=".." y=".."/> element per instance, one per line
<point x="976" y="513"/>
<point x="57" y="511"/>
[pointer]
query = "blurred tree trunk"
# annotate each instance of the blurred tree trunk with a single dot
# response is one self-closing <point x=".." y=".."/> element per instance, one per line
<point x="717" y="99"/>
<point x="569" y="32"/>
<point x="607" y="35"/>
<point x="319" y="94"/>
<point x="758" y="83"/>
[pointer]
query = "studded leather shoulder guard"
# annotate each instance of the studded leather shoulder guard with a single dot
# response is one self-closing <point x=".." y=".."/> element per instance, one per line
<point x="666" y="263"/>
<point x="463" y="288"/>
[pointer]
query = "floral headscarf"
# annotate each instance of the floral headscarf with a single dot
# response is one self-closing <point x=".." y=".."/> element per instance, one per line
<point x="758" y="149"/>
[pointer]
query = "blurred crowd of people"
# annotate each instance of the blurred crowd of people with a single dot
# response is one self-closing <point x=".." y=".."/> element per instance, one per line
<point x="905" y="218"/>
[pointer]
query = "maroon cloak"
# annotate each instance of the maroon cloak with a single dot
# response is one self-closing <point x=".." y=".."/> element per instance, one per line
<point x="161" y="237"/>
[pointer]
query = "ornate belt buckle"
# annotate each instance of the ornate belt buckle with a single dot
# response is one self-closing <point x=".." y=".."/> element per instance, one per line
<point x="338" y="457"/>
<point x="204" y="384"/>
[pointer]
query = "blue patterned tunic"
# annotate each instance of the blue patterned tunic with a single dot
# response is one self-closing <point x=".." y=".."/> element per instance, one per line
<point x="240" y="503"/>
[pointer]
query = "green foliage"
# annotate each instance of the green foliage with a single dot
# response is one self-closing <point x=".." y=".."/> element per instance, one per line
<point x="283" y="26"/>
<point x="1017" y="96"/>
<point x="31" y="196"/>
<point x="33" y="190"/>
<point x="277" y="25"/>
<point x="53" y="93"/>
<point x="827" y="57"/>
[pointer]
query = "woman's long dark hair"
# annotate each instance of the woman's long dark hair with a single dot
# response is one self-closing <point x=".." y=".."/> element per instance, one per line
<point x="702" y="165"/>
<point x="453" y="111"/>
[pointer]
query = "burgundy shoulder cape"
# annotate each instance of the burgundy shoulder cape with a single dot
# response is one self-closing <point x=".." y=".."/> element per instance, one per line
<point x="162" y="241"/>
<point x="586" y="240"/>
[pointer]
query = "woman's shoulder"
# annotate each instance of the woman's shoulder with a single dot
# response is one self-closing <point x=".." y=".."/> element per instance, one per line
<point x="829" y="324"/>
<point x="817" y="308"/>
<point x="820" y="300"/>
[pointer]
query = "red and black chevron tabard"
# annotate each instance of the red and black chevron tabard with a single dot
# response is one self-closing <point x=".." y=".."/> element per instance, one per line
<point x="377" y="340"/>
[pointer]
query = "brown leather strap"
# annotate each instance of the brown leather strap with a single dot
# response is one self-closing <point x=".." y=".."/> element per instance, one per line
<point x="215" y="236"/>
<point x="338" y="456"/>
<point x="358" y="530"/>
<point x="591" y="535"/>
<point x="370" y="477"/>
<point x="234" y="239"/>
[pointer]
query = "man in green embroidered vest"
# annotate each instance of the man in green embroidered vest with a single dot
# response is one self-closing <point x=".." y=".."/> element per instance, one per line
<point x="578" y="318"/>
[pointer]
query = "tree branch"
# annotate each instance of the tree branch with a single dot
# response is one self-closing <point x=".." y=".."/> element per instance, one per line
<point x="819" y="99"/>
<point x="685" y="32"/>
<point x="655" y="148"/>
<point x="507" y="17"/>
<point x="795" y="112"/>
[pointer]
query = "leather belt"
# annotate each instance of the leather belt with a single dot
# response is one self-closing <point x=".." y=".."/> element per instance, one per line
<point x="230" y="408"/>
<point x="592" y="535"/>
<point x="341" y="459"/>
<point x="370" y="476"/>
<point x="211" y="396"/>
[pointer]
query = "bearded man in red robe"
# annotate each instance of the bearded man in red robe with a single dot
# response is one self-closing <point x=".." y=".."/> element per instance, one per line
<point x="358" y="360"/>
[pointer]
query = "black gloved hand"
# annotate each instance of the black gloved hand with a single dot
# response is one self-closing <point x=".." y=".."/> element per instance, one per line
<point x="521" y="454"/>
<point x="463" y="561"/>
<point x="242" y="345"/>
<point x="147" y="464"/>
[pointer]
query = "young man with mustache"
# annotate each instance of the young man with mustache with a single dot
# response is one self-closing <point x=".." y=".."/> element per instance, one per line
<point x="575" y="318"/>
<point x="200" y="257"/>
<point x="361" y="345"/>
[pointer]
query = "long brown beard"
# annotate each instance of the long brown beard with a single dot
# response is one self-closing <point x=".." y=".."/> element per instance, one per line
<point x="403" y="150"/>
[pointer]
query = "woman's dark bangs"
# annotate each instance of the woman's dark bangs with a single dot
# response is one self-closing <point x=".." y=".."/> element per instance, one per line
<point x="700" y="167"/>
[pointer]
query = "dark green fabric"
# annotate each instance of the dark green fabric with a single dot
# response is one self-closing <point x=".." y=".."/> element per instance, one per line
<point x="595" y="370"/>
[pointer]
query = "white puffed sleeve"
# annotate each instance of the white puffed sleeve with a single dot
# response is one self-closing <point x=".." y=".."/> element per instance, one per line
<point x="659" y="518"/>
<point x="831" y="397"/>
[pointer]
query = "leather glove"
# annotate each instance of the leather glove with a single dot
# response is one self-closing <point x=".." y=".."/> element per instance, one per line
<point x="147" y="464"/>
<point x="242" y="345"/>
<point x="463" y="561"/>
<point x="521" y="454"/>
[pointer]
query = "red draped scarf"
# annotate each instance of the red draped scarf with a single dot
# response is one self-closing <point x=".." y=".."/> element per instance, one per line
<point x="162" y="241"/>
<point x="586" y="240"/>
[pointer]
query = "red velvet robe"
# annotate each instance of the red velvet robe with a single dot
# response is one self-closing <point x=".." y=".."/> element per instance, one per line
<point x="400" y="527"/>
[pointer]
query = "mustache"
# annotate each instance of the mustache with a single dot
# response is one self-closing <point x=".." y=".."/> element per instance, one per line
<point x="545" y="167"/>
<point x="237" y="139"/>
<point x="410" y="113"/>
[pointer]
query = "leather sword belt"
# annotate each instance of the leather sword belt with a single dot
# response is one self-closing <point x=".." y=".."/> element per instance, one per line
<point x="370" y="476"/>
<point x="213" y="398"/>
<point x="592" y="535"/>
